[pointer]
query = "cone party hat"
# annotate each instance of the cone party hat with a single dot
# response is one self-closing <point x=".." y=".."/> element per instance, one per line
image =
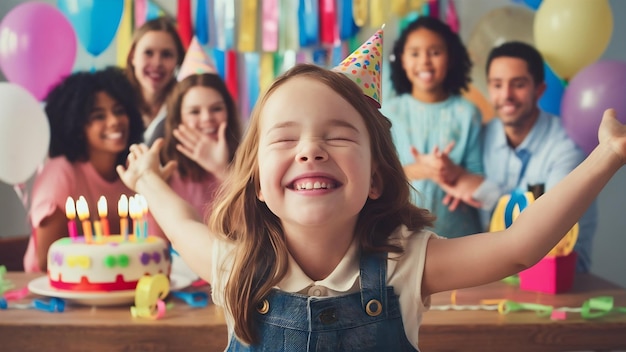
<point x="196" y="61"/>
<point x="364" y="67"/>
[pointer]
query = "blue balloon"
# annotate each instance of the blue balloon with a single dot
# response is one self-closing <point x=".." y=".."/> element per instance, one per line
<point x="551" y="99"/>
<point x="533" y="4"/>
<point x="95" y="21"/>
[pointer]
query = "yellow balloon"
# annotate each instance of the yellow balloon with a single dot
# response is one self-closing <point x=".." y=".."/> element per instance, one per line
<point x="571" y="34"/>
<point x="496" y="27"/>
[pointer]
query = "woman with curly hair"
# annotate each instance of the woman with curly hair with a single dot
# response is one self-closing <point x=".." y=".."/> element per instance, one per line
<point x="93" y="121"/>
<point x="435" y="130"/>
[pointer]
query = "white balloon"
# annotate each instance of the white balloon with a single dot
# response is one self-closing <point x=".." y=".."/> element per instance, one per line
<point x="24" y="134"/>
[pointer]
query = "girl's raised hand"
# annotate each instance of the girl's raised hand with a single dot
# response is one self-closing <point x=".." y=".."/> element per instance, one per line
<point x="142" y="160"/>
<point x="613" y="133"/>
<point x="208" y="152"/>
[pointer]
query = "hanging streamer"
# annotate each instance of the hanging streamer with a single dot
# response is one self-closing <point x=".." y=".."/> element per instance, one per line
<point x="247" y="26"/>
<point x="452" y="19"/>
<point x="433" y="8"/>
<point x="153" y="11"/>
<point x="266" y="76"/>
<point x="399" y="7"/>
<point x="359" y="12"/>
<point x="308" y="13"/>
<point x="288" y="31"/>
<point x="416" y="5"/>
<point x="231" y="74"/>
<point x="269" y="24"/>
<point x="347" y="27"/>
<point x="252" y="84"/>
<point x="224" y="16"/>
<point x="125" y="34"/>
<point x="378" y="11"/>
<point x="141" y="12"/>
<point x="219" y="59"/>
<point x="329" y="33"/>
<point x="202" y="22"/>
<point x="183" y="16"/>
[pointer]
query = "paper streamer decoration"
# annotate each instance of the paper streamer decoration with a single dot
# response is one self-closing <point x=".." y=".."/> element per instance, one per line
<point x="452" y="19"/>
<point x="183" y="17"/>
<point x="359" y="12"/>
<point x="231" y="74"/>
<point x="347" y="27"/>
<point x="153" y="11"/>
<point x="378" y="13"/>
<point x="308" y="13"/>
<point x="266" y="75"/>
<point x="247" y="26"/>
<point x="399" y="7"/>
<point x="253" y="61"/>
<point x="433" y="8"/>
<point x="329" y="33"/>
<point x="124" y="33"/>
<point x="269" y="25"/>
<point x="224" y="16"/>
<point x="202" y="22"/>
<point x="141" y="12"/>
<point x="288" y="31"/>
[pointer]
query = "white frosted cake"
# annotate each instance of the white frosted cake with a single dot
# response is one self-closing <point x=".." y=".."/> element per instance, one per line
<point x="110" y="264"/>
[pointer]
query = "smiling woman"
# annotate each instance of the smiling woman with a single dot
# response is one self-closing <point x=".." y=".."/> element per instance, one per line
<point x="93" y="121"/>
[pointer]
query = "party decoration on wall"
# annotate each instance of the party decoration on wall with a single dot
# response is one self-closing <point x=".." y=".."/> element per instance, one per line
<point x="495" y="28"/>
<point x="24" y="134"/>
<point x="329" y="32"/>
<point x="347" y="26"/>
<point x="247" y="26"/>
<point x="224" y="16"/>
<point x="29" y="33"/>
<point x="269" y="28"/>
<point x="141" y="9"/>
<point x="125" y="34"/>
<point x="571" y="34"/>
<point x="550" y="101"/>
<point x="202" y="22"/>
<point x="596" y="88"/>
<point x="364" y="67"/>
<point x="183" y="18"/>
<point x="360" y="12"/>
<point x="452" y="19"/>
<point x="196" y="61"/>
<point x="95" y="21"/>
<point x="555" y="272"/>
<point x="379" y="12"/>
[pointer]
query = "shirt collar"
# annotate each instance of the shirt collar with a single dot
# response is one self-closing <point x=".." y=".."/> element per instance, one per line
<point x="533" y="139"/>
<point x="340" y="280"/>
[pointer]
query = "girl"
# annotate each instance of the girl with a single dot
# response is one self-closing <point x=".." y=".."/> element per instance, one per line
<point x="202" y="133"/>
<point x="314" y="243"/>
<point x="93" y="121"/>
<point x="435" y="130"/>
<point x="155" y="53"/>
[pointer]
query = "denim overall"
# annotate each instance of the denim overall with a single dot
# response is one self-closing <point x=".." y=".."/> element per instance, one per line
<point x="369" y="320"/>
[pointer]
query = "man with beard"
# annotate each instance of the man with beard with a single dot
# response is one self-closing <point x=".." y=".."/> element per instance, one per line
<point x="525" y="148"/>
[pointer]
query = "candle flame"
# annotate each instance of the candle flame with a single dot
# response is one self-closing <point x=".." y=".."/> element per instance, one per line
<point x="70" y="209"/>
<point x="143" y="204"/>
<point x="103" y="210"/>
<point x="122" y="206"/>
<point x="132" y="208"/>
<point x="82" y="208"/>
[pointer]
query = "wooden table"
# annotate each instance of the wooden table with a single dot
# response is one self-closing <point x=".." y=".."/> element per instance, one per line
<point x="184" y="328"/>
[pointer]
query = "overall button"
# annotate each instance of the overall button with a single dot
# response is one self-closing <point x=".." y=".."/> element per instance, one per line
<point x="317" y="291"/>
<point x="328" y="316"/>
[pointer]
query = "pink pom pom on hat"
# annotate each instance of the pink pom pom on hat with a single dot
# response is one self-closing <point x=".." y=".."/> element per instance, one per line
<point x="364" y="67"/>
<point x="196" y="61"/>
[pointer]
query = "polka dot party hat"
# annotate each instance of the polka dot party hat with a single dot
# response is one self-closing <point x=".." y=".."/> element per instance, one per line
<point x="196" y="62"/>
<point x="364" y="67"/>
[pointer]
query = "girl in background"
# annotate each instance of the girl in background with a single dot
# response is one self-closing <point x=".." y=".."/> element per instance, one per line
<point x="435" y="130"/>
<point x="202" y="133"/>
<point x="155" y="54"/>
<point x="314" y="243"/>
<point x="93" y="120"/>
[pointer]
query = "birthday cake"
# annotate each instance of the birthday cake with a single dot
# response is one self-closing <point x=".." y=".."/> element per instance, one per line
<point x="108" y="264"/>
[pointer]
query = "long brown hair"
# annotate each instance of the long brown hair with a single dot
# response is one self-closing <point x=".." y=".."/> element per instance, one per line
<point x="187" y="167"/>
<point x="260" y="259"/>
<point x="160" y="24"/>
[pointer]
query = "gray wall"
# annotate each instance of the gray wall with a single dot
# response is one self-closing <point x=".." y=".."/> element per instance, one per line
<point x="610" y="242"/>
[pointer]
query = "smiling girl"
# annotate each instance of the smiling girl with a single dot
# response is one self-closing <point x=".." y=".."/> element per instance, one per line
<point x="93" y="121"/>
<point x="155" y="54"/>
<point x="435" y="130"/>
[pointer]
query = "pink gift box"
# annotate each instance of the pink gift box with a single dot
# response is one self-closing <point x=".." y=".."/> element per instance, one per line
<point x="550" y="275"/>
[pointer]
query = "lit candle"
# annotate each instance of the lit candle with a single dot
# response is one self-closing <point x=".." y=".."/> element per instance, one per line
<point x="122" y="210"/>
<point x="83" y="214"/>
<point x="144" y="214"/>
<point x="135" y="214"/>
<point x="103" y="211"/>
<point x="70" y="212"/>
<point x="97" y="228"/>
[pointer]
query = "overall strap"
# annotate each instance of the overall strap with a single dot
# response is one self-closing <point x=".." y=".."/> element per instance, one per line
<point x="373" y="280"/>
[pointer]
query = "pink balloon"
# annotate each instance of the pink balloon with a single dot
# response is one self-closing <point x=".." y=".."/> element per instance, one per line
<point x="37" y="47"/>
